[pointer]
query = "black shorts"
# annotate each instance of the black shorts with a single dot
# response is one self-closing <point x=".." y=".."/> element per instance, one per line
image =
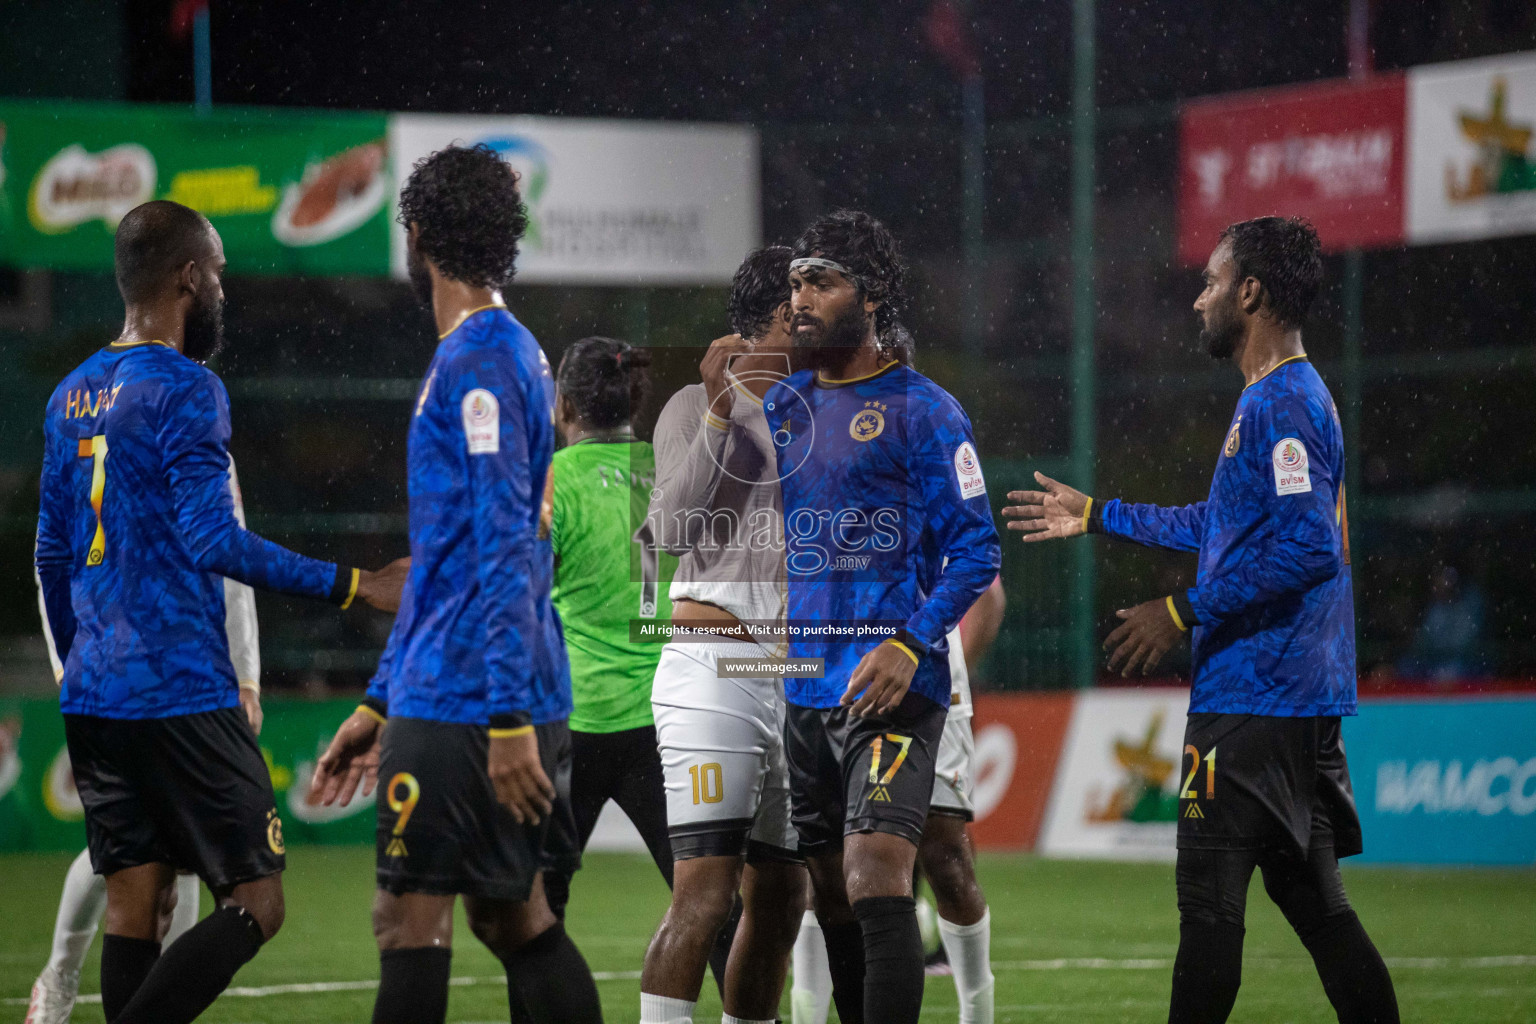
<point x="191" y="791"/>
<point x="1278" y="783"/>
<point x="441" y="830"/>
<point x="873" y="774"/>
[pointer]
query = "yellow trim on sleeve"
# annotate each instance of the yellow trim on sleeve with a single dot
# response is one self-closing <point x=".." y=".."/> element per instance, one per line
<point x="365" y="709"/>
<point x="506" y="734"/>
<point x="716" y="421"/>
<point x="905" y="650"/>
<point x="1174" y="611"/>
<point x="352" y="590"/>
<point x="252" y="685"/>
<point x="747" y="394"/>
<point x="1087" y="509"/>
<point x="460" y="321"/>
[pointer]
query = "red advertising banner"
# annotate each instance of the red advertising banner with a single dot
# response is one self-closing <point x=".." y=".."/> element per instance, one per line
<point x="1330" y="152"/>
<point x="1018" y="742"/>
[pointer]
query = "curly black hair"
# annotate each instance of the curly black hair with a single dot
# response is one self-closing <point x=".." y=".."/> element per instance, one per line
<point x="867" y="248"/>
<point x="1283" y="253"/>
<point x="605" y="380"/>
<point x="760" y="287"/>
<point x="466" y="204"/>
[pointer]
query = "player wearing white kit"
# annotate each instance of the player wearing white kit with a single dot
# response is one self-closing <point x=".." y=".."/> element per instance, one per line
<point x="716" y="506"/>
<point x="964" y="922"/>
<point x="84" y="899"/>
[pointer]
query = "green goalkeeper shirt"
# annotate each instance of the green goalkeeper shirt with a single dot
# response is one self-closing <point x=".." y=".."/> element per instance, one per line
<point x="607" y="573"/>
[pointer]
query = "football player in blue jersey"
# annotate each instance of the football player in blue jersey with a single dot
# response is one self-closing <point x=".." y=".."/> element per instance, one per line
<point x="136" y="532"/>
<point x="466" y="719"/>
<point x="1272" y="616"/>
<point x="881" y="485"/>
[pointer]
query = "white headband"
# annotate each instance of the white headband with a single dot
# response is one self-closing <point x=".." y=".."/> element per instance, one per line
<point x="817" y="261"/>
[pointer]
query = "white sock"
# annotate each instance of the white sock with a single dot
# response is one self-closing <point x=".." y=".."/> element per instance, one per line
<point x="185" y="915"/>
<point x="665" y="1010"/>
<point x="726" y="1018"/>
<point x="811" y="994"/>
<point x="81" y="905"/>
<point x="970" y="957"/>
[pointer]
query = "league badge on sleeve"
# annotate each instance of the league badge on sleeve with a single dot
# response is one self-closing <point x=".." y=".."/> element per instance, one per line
<point x="968" y="472"/>
<point x="482" y="422"/>
<point x="1292" y="475"/>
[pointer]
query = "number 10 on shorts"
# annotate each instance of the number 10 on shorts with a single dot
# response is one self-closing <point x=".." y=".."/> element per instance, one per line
<point x="708" y="783"/>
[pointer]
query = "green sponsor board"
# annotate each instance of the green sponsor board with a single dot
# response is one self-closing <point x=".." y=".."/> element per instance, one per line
<point x="39" y="809"/>
<point x="291" y="193"/>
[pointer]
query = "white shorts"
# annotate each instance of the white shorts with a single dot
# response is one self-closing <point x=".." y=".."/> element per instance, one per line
<point x="722" y="755"/>
<point x="953" y="777"/>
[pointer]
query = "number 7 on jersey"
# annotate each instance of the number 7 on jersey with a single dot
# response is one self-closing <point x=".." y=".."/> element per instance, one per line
<point x="95" y="449"/>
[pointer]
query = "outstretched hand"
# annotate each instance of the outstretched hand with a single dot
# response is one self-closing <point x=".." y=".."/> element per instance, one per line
<point x="352" y="758"/>
<point x="1056" y="511"/>
<point x="1147" y="633"/>
<point x="382" y="589"/>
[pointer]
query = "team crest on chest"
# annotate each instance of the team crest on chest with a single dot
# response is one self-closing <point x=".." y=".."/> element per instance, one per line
<point x="1230" y="448"/>
<point x="868" y="423"/>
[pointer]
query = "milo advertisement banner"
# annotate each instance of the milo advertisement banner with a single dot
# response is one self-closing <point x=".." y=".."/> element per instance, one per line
<point x="290" y="193"/>
<point x="40" y="810"/>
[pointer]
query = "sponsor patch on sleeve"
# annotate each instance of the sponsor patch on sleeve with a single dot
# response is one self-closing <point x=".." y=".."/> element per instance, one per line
<point x="482" y="422"/>
<point x="968" y="472"/>
<point x="1292" y="475"/>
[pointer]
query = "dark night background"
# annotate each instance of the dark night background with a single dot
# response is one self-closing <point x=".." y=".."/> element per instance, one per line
<point x="855" y="108"/>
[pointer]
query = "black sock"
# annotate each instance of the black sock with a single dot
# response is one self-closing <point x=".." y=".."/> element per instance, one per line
<point x="1207" y="972"/>
<point x="893" y="958"/>
<point x="720" y="952"/>
<point x="845" y="962"/>
<point x="548" y="980"/>
<point x="125" y="963"/>
<point x="1352" y="971"/>
<point x="413" y="985"/>
<point x="195" y="969"/>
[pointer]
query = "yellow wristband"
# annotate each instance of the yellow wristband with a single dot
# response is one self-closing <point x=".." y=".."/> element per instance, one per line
<point x="1086" y="509"/>
<point x="506" y="734"/>
<point x="905" y="650"/>
<point x="365" y="709"/>
<point x="1174" y="611"/>
<point x="352" y="590"/>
